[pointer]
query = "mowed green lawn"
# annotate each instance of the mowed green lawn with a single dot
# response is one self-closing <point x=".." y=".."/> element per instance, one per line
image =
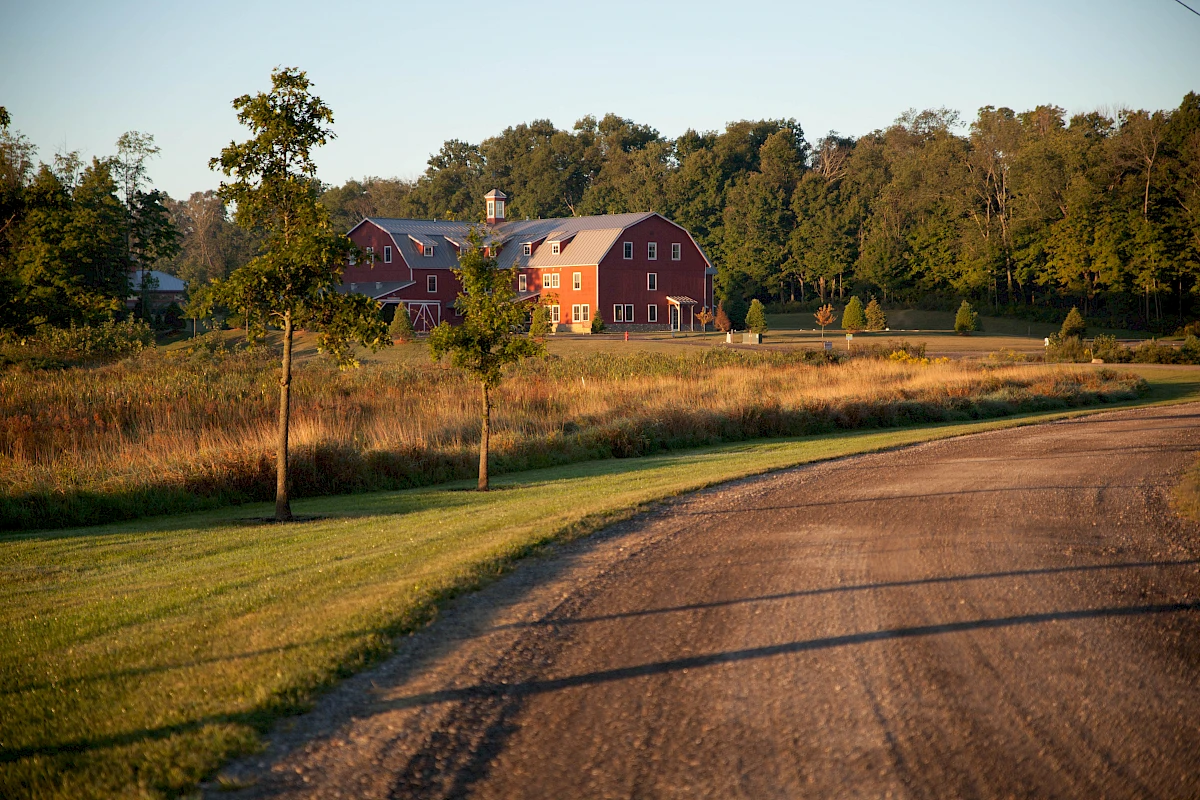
<point x="135" y="658"/>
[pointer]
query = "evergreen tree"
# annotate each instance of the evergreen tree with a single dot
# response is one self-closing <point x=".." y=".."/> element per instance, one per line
<point x="756" y="317"/>
<point x="876" y="319"/>
<point x="539" y="322"/>
<point x="966" y="320"/>
<point x="853" y="318"/>
<point x="1073" y="325"/>
<point x="401" y="328"/>
<point x="597" y="324"/>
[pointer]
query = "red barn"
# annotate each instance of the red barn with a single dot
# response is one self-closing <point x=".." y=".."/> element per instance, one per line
<point x="635" y="271"/>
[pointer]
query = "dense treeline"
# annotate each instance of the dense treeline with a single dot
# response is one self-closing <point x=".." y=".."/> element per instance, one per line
<point x="1026" y="212"/>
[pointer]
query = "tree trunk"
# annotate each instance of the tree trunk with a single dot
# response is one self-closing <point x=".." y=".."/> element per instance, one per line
<point x="283" y="507"/>
<point x="483" y="439"/>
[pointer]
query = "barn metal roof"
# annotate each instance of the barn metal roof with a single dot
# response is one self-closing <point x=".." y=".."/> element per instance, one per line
<point x="166" y="283"/>
<point x="682" y="300"/>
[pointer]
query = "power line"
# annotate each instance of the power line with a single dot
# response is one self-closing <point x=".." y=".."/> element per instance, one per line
<point x="1189" y="8"/>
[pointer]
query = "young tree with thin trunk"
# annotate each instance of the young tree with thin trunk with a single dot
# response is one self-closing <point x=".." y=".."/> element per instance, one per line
<point x="489" y="338"/>
<point x="293" y="280"/>
<point x="824" y="317"/>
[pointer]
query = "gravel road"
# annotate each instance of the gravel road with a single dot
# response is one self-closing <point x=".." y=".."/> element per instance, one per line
<point x="1011" y="614"/>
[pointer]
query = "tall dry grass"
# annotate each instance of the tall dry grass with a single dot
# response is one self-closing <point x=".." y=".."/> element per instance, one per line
<point x="191" y="429"/>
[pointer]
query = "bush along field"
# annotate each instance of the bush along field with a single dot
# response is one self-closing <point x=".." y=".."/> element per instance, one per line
<point x="168" y="431"/>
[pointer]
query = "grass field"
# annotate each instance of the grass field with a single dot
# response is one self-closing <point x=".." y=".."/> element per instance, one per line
<point x="135" y="658"/>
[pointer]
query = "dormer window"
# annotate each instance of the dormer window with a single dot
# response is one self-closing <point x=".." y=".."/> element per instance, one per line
<point x="428" y="251"/>
<point x="527" y="249"/>
<point x="555" y="248"/>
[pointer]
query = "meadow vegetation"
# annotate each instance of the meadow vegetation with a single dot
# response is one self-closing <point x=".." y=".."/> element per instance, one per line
<point x="195" y="427"/>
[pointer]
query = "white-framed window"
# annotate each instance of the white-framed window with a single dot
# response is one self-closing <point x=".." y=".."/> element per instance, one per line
<point x="652" y="281"/>
<point x="555" y="248"/>
<point x="555" y="314"/>
<point x="527" y="249"/>
<point x="387" y="254"/>
<point x="457" y="310"/>
<point x="371" y="256"/>
<point x="431" y="283"/>
<point x="628" y="251"/>
<point x="652" y="313"/>
<point x="577" y="280"/>
<point x="428" y="251"/>
<point x="575" y="313"/>
<point x="629" y="312"/>
<point x="522" y="283"/>
<point x="618" y="313"/>
<point x="652" y="251"/>
<point x="581" y="312"/>
<point x="500" y="208"/>
<point x="676" y="251"/>
<point x="550" y="280"/>
<point x="353" y="257"/>
<point x="491" y="208"/>
<point x="587" y="312"/>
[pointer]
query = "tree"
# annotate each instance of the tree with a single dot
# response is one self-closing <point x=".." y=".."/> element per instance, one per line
<point x="150" y="234"/>
<point x="704" y="318"/>
<point x="723" y="323"/>
<point x="824" y="317"/>
<point x="853" y="318"/>
<point x="876" y="319"/>
<point x="401" y="329"/>
<point x="488" y="340"/>
<point x="293" y="280"/>
<point x="966" y="320"/>
<point x="597" y="324"/>
<point x="756" y="317"/>
<point x="1073" y="325"/>
<point x="539" y="322"/>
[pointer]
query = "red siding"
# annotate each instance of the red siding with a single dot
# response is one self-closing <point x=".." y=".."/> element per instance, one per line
<point x="370" y="235"/>
<point x="625" y="282"/>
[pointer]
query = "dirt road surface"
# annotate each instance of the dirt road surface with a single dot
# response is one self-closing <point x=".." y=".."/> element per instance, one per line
<point x="1012" y="614"/>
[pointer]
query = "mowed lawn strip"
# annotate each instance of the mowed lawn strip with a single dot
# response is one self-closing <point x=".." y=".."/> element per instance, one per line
<point x="135" y="658"/>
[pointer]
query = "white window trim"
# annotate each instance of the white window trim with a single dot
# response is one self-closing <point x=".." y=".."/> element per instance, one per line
<point x="587" y="312"/>
<point x="628" y="251"/>
<point x="555" y="313"/>
<point x="499" y="209"/>
<point x="575" y="313"/>
<point x="651" y="281"/>
<point x="555" y="248"/>
<point x="527" y="249"/>
<point x="652" y="313"/>
<point x="431" y="284"/>
<point x="652" y="251"/>
<point x="353" y="258"/>
<point x="618" y="312"/>
<point x="428" y="250"/>
<point x="577" y="281"/>
<point x="629" y="312"/>
<point x="676" y="251"/>
<point x="387" y="254"/>
<point x="491" y="208"/>
<point x="371" y="256"/>
<point x="522" y="283"/>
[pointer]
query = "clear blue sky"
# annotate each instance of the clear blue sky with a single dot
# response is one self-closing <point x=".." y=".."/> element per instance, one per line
<point x="403" y="77"/>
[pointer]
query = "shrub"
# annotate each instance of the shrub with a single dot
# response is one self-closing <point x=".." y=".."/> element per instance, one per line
<point x="539" y="321"/>
<point x="876" y="319"/>
<point x="853" y="318"/>
<point x="597" y="324"/>
<point x="1067" y="349"/>
<point x="723" y="323"/>
<point x="966" y="320"/>
<point x="401" y="328"/>
<point x="1073" y="325"/>
<point x="756" y="317"/>
<point x="1107" y="348"/>
<point x="81" y="344"/>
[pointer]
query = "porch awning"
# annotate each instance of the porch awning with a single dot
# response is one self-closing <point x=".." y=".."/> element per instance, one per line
<point x="681" y="300"/>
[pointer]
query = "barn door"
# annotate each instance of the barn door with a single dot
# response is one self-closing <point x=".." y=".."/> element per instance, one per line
<point x="425" y="316"/>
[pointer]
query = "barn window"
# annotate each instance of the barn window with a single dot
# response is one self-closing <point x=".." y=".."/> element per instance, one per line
<point x="522" y="283"/>
<point x="387" y="254"/>
<point x="629" y="312"/>
<point x="555" y="314"/>
<point x="371" y="256"/>
<point x="652" y="281"/>
<point x="428" y="251"/>
<point x="676" y="251"/>
<point x="629" y="251"/>
<point x="587" y="312"/>
<point x="353" y="258"/>
<point x="491" y="208"/>
<point x="652" y="313"/>
<point x="652" y="251"/>
<point x="555" y="248"/>
<point x="577" y="281"/>
<point x="431" y="283"/>
<point x="618" y="313"/>
<point x="575" y="313"/>
<point x="527" y="249"/>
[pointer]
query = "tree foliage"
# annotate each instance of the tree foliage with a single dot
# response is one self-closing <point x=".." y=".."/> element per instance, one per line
<point x="1073" y="325"/>
<point x="489" y="338"/>
<point x="875" y="316"/>
<point x="756" y="317"/>
<point x="966" y="319"/>
<point x="853" y="316"/>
